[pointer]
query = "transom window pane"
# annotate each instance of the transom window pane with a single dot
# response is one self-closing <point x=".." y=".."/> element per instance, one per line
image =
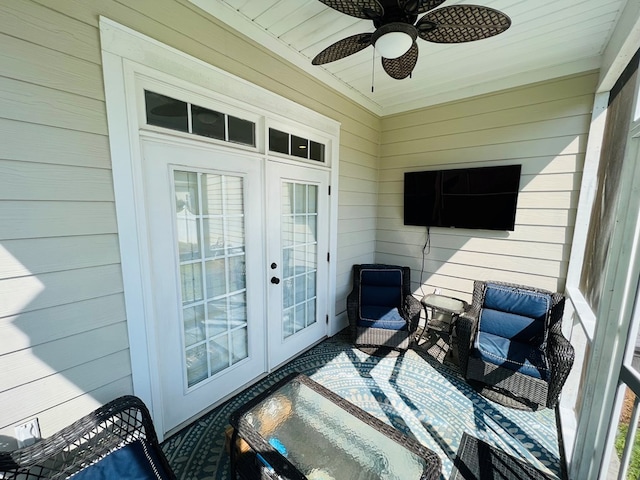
<point x="208" y="123"/>
<point x="316" y="151"/>
<point x="278" y="141"/>
<point x="241" y="131"/>
<point x="299" y="147"/>
<point x="211" y="246"/>
<point x="166" y="112"/>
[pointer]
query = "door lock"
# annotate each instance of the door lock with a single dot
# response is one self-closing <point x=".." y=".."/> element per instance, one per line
<point x="275" y="280"/>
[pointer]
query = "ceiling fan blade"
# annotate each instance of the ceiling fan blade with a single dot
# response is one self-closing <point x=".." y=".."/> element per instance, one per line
<point x="462" y="23"/>
<point x="402" y="66"/>
<point x="343" y="48"/>
<point x="420" y="6"/>
<point x="367" y="9"/>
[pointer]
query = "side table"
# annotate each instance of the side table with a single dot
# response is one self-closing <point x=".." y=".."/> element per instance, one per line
<point x="444" y="313"/>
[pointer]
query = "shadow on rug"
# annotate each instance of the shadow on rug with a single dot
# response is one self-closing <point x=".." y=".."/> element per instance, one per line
<point x="422" y="398"/>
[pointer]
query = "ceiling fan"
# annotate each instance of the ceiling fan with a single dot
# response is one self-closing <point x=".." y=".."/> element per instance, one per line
<point x="396" y="29"/>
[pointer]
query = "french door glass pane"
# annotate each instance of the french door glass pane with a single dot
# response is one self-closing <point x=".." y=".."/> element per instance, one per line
<point x="211" y="248"/>
<point x="299" y="255"/>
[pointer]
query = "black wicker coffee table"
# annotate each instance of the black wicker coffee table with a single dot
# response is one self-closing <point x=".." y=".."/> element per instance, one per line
<point x="299" y="430"/>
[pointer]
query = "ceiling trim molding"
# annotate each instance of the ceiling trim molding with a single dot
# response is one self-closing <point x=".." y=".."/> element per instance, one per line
<point x="498" y="84"/>
<point x="246" y="27"/>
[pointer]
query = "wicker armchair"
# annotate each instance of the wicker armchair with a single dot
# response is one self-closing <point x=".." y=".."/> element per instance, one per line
<point x="511" y="347"/>
<point x="117" y="440"/>
<point x="382" y="312"/>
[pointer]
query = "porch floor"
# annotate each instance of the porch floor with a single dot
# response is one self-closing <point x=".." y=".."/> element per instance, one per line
<point x="418" y="393"/>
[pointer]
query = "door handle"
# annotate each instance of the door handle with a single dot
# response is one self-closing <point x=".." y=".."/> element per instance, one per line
<point x="275" y="280"/>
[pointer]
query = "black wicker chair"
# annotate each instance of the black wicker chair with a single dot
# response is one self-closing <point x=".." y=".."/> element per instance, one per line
<point x="117" y="440"/>
<point x="382" y="312"/>
<point x="511" y="346"/>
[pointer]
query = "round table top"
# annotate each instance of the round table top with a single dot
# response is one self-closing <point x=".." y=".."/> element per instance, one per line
<point x="442" y="302"/>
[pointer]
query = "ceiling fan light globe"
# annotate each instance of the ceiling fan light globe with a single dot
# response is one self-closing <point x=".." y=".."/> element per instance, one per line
<point x="393" y="44"/>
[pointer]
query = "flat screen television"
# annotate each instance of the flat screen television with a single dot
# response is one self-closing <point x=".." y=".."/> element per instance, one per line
<point x="482" y="198"/>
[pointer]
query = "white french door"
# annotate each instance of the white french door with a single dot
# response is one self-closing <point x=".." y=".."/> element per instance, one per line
<point x="237" y="288"/>
<point x="298" y="204"/>
<point x="206" y="248"/>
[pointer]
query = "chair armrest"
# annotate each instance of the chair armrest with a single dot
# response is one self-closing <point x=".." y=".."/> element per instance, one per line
<point x="560" y="357"/>
<point x="466" y="327"/>
<point x="412" y="309"/>
<point x="353" y="305"/>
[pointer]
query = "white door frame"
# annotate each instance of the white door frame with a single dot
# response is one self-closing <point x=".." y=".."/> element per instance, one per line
<point x="126" y="56"/>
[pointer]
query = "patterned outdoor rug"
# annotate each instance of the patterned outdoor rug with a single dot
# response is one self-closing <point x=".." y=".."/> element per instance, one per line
<point x="421" y="397"/>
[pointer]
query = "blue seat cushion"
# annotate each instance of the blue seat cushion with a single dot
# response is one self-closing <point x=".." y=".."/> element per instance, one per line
<point x="519" y="357"/>
<point x="388" y="318"/>
<point x="133" y="461"/>
<point x="512" y="326"/>
<point x="381" y="287"/>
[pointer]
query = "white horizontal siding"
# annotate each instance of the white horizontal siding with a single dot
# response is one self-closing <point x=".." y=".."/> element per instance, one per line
<point x="35" y="292"/>
<point x="33" y="398"/>
<point x="46" y="255"/>
<point x="30" y="329"/>
<point x="52" y="145"/>
<point x="27" y="219"/>
<point x="30" y="365"/>
<point x="543" y="127"/>
<point x="45" y="181"/>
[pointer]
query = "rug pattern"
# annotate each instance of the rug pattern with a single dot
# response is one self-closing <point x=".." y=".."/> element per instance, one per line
<point x="424" y="399"/>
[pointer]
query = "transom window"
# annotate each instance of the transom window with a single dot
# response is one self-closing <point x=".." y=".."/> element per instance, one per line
<point x="289" y="144"/>
<point x="167" y="112"/>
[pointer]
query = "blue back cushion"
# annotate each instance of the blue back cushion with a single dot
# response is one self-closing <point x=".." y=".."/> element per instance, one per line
<point x="381" y="287"/>
<point x="514" y="300"/>
<point x="133" y="461"/>
<point x="512" y="313"/>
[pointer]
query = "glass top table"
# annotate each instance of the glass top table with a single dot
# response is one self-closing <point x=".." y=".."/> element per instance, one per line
<point x="444" y="310"/>
<point x="300" y="430"/>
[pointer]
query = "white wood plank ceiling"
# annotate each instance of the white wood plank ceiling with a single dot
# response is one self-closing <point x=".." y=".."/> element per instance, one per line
<point x="547" y="39"/>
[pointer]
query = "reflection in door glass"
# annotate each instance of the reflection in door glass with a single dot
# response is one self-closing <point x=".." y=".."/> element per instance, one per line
<point x="211" y="248"/>
<point x="299" y="256"/>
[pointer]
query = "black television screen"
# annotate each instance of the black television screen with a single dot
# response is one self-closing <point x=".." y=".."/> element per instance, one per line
<point x="483" y="197"/>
